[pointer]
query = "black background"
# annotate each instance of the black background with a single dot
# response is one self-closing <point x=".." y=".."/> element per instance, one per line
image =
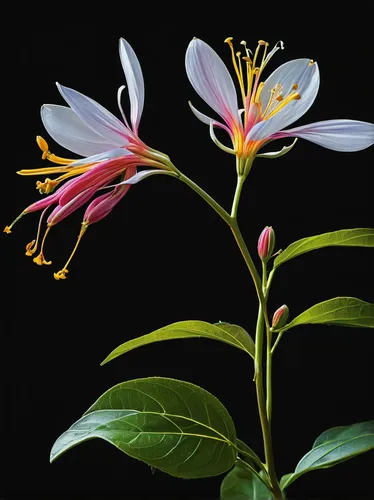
<point x="163" y="255"/>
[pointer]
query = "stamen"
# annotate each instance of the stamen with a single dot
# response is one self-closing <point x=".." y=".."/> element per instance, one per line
<point x="43" y="145"/>
<point x="292" y="97"/>
<point x="295" y="86"/>
<point x="8" y="229"/>
<point x="47" y="186"/>
<point x="270" y="102"/>
<point x="39" y="259"/>
<point x="248" y="51"/>
<point x="311" y="62"/>
<point x="33" y="245"/>
<point x="61" y="275"/>
<point x="239" y="73"/>
<point x="258" y="93"/>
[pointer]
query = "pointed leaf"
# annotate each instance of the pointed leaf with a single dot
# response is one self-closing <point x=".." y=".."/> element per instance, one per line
<point x="342" y="311"/>
<point x="333" y="447"/>
<point x="241" y="484"/>
<point x="363" y="237"/>
<point x="240" y="334"/>
<point x="188" y="329"/>
<point x="171" y="425"/>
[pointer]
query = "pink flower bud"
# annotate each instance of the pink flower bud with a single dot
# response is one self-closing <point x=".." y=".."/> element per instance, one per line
<point x="280" y="317"/>
<point x="266" y="243"/>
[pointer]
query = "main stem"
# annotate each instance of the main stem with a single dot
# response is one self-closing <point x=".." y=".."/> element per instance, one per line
<point x="262" y="319"/>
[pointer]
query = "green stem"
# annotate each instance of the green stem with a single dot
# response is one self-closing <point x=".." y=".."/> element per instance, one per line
<point x="216" y="206"/>
<point x="265" y="426"/>
<point x="238" y="191"/>
<point x="277" y="341"/>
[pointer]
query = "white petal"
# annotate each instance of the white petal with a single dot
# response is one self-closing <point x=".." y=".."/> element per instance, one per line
<point x="205" y="118"/>
<point x="211" y="79"/>
<point x="68" y="130"/>
<point x="339" y="135"/>
<point x="298" y="71"/>
<point x="142" y="175"/>
<point x="95" y="116"/>
<point x="277" y="154"/>
<point x="107" y="155"/>
<point x="135" y="81"/>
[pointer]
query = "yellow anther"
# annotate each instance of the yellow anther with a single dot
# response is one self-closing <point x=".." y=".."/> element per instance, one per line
<point x="47" y="186"/>
<point x="40" y="260"/>
<point x="283" y="103"/>
<point x="42" y="143"/>
<point x="311" y="62"/>
<point x="262" y="42"/>
<point x="8" y="229"/>
<point x="60" y="275"/>
<point x="279" y="98"/>
<point x="238" y="54"/>
<point x="30" y="248"/>
<point x="295" y="86"/>
<point x="247" y="58"/>
<point x="229" y="39"/>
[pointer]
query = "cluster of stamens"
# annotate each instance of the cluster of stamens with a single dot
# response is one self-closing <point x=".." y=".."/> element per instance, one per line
<point x="252" y="88"/>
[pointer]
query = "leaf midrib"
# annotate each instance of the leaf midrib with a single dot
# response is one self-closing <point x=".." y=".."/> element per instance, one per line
<point x="331" y="450"/>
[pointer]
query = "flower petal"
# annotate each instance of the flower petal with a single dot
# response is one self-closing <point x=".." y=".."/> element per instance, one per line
<point x="107" y="155"/>
<point x="211" y="80"/>
<point x="205" y="118"/>
<point x="140" y="176"/>
<point x="96" y="117"/>
<point x="135" y="81"/>
<point x="101" y="206"/>
<point x="277" y="154"/>
<point x="68" y="130"/>
<point x="339" y="135"/>
<point x="299" y="71"/>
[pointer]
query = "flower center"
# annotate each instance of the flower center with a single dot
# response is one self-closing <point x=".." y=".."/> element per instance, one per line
<point x="255" y="109"/>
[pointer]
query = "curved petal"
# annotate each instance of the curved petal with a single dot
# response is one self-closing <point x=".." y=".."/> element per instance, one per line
<point x="95" y="116"/>
<point x="101" y="206"/>
<point x="140" y="176"/>
<point x="299" y="71"/>
<point x="135" y="81"/>
<point x="68" y="130"/>
<point x="107" y="155"/>
<point x="205" y="118"/>
<point x="211" y="80"/>
<point x="339" y="135"/>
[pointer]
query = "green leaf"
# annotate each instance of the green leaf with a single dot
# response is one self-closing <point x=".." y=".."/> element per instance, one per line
<point x="333" y="447"/>
<point x="174" y="426"/>
<point x="343" y="311"/>
<point x="242" y="484"/>
<point x="362" y="237"/>
<point x="230" y="334"/>
<point x="240" y="334"/>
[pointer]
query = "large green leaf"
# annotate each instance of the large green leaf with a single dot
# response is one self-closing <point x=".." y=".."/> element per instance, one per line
<point x="363" y="237"/>
<point x="171" y="425"/>
<point x="334" y="446"/>
<point x="230" y="334"/>
<point x="242" y="484"/>
<point x="343" y="311"/>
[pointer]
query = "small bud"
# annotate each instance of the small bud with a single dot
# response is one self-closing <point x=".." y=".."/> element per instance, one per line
<point x="266" y="243"/>
<point x="280" y="317"/>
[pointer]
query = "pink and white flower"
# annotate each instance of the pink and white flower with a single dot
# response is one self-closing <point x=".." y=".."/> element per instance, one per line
<point x="269" y="106"/>
<point x="110" y="148"/>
